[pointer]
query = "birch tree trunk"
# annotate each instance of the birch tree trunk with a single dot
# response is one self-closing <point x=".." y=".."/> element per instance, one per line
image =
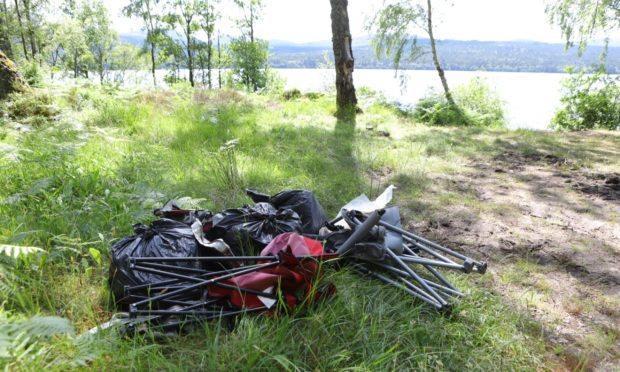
<point x="343" y="56"/>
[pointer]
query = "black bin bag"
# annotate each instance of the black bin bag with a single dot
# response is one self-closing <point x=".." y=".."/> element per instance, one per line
<point x="303" y="202"/>
<point x="162" y="238"/>
<point x="173" y="211"/>
<point x="249" y="229"/>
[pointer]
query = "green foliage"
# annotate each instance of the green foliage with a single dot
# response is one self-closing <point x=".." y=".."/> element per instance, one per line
<point x="114" y="113"/>
<point x="589" y="101"/>
<point x="42" y="342"/>
<point x="479" y="102"/>
<point x="291" y="94"/>
<point x="226" y="168"/>
<point x="126" y="57"/>
<point x="70" y="38"/>
<point x="249" y="63"/>
<point x="100" y="37"/>
<point x="435" y="110"/>
<point x="32" y="108"/>
<point x="32" y="72"/>
<point x="394" y="31"/>
<point x="580" y="19"/>
<point x="314" y="95"/>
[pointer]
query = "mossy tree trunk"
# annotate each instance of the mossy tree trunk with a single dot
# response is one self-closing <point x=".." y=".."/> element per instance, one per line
<point x="346" y="99"/>
<point x="10" y="78"/>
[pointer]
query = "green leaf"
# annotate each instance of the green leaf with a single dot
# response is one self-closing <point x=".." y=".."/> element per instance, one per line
<point x="96" y="254"/>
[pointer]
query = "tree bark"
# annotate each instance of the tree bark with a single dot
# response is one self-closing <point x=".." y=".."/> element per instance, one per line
<point x="153" y="64"/>
<point x="209" y="59"/>
<point x="219" y="63"/>
<point x="209" y="17"/>
<point x="190" y="56"/>
<point x="343" y="56"/>
<point x="442" y="75"/>
<point x="31" y="35"/>
<point x="150" y="34"/>
<point x="21" y="29"/>
<point x="75" y="65"/>
<point x="10" y="78"/>
<point x="5" y="36"/>
<point x="251" y="23"/>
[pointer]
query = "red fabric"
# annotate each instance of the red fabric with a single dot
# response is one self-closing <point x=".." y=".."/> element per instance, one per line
<point x="315" y="247"/>
<point x="291" y="275"/>
<point x="293" y="243"/>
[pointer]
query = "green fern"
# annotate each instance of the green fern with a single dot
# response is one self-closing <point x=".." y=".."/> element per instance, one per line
<point x="43" y="342"/>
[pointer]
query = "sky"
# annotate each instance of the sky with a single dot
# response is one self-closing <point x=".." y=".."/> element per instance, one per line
<point x="303" y="21"/>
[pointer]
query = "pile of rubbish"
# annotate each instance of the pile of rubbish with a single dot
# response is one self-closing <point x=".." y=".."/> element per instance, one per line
<point x="193" y="266"/>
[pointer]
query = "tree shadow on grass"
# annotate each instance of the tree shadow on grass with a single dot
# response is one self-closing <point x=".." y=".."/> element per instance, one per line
<point x="269" y="158"/>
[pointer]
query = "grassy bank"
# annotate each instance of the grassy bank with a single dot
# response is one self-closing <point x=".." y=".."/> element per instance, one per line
<point x="75" y="182"/>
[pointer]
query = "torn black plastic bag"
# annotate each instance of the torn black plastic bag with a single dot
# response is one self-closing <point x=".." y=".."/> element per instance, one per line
<point x="247" y="230"/>
<point x="173" y="211"/>
<point x="303" y="202"/>
<point x="162" y="238"/>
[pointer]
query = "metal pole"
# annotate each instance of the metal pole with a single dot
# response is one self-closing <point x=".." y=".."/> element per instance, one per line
<point x="424" y="261"/>
<point x="417" y="277"/>
<point x="175" y="281"/>
<point x="427" y="250"/>
<point x="431" y="283"/>
<point x="432" y="270"/>
<point x="198" y="280"/>
<point x="480" y="265"/>
<point x="400" y="286"/>
<point x="200" y="285"/>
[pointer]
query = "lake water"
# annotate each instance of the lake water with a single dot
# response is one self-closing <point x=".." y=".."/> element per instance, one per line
<point x="531" y="99"/>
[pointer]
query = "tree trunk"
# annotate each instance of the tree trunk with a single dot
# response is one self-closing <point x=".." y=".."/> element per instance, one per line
<point x="209" y="58"/>
<point x="75" y="65"/>
<point x="442" y="76"/>
<point x="343" y="56"/>
<point x="219" y="63"/>
<point x="201" y="64"/>
<point x="153" y="64"/>
<point x="10" y="78"/>
<point x="251" y="23"/>
<point x="5" y="36"/>
<point x="21" y="29"/>
<point x="190" y="57"/>
<point x="31" y="35"/>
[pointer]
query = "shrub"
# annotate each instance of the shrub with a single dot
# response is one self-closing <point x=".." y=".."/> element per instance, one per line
<point x="32" y="72"/>
<point x="33" y="107"/>
<point x="433" y="109"/>
<point x="589" y="101"/>
<point x="314" y="95"/>
<point x="291" y="94"/>
<point x="480" y="105"/>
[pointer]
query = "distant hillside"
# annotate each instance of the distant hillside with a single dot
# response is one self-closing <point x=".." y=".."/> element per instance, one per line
<point x="523" y="56"/>
<point x="515" y="56"/>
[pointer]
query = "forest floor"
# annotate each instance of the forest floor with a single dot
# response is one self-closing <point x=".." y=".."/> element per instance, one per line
<point x="82" y="164"/>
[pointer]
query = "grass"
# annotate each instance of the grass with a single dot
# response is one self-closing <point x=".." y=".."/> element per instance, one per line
<point x="75" y="183"/>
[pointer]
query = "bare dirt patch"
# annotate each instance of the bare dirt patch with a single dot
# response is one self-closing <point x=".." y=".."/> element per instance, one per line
<point x="551" y="233"/>
<point x="604" y="186"/>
